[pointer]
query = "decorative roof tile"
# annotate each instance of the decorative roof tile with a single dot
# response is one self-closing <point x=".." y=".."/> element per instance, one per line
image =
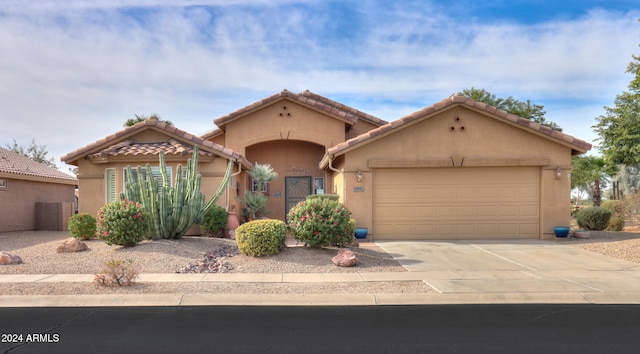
<point x="21" y="166"/>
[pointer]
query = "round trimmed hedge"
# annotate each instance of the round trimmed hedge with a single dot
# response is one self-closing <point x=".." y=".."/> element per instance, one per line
<point x="262" y="237"/>
<point x="321" y="222"/>
<point x="82" y="226"/>
<point x="214" y="221"/>
<point x="593" y="218"/>
<point x="122" y="223"/>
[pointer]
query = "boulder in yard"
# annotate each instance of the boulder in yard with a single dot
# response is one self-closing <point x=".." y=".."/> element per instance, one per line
<point x="72" y="245"/>
<point x="6" y="258"/>
<point x="345" y="258"/>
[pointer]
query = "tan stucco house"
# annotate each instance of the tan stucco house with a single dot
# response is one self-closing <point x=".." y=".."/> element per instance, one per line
<point x="456" y="169"/>
<point x="34" y="196"/>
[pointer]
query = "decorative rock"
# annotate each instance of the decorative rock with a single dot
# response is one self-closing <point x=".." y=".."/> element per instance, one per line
<point x="72" y="245"/>
<point x="6" y="259"/>
<point x="213" y="262"/>
<point x="345" y="258"/>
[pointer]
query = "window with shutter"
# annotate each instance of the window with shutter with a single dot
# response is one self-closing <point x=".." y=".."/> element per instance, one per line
<point x="110" y="184"/>
<point x="155" y="173"/>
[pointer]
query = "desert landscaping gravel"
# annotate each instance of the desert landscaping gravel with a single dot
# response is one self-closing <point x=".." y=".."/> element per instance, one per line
<point x="38" y="252"/>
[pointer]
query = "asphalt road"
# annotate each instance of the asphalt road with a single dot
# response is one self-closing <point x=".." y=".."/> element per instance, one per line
<point x="560" y="328"/>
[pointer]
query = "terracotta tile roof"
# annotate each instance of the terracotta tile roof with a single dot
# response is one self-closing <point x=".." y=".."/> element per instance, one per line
<point x="578" y="145"/>
<point x="212" y="133"/>
<point x="20" y="166"/>
<point x="128" y="147"/>
<point x="338" y="110"/>
<point x="179" y="142"/>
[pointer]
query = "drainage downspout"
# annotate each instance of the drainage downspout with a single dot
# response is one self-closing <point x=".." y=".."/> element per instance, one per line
<point x="228" y="189"/>
<point x="344" y="184"/>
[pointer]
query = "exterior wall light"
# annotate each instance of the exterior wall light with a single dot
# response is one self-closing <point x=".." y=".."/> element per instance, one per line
<point x="359" y="176"/>
<point x="558" y="173"/>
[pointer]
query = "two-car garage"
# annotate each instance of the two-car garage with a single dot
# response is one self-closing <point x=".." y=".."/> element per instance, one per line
<point x="458" y="169"/>
<point x="456" y="202"/>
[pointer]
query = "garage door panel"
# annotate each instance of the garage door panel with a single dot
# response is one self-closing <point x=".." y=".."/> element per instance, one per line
<point x="528" y="192"/>
<point x="424" y="211"/>
<point x="508" y="210"/>
<point x="485" y="193"/>
<point x="530" y="229"/>
<point x="529" y="210"/>
<point x="466" y="211"/>
<point x="487" y="210"/>
<point x="446" y="230"/>
<point x="423" y="192"/>
<point x="393" y="212"/>
<point x="465" y="229"/>
<point x="440" y="203"/>
<point x="445" y="211"/>
<point x="487" y="230"/>
<point x="424" y="229"/>
<point x="444" y="194"/>
<point x="399" y="194"/>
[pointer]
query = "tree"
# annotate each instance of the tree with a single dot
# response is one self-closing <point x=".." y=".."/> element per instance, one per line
<point x="628" y="179"/>
<point x="141" y="118"/>
<point x="522" y="109"/>
<point x="619" y="128"/>
<point x="589" y="174"/>
<point x="37" y="153"/>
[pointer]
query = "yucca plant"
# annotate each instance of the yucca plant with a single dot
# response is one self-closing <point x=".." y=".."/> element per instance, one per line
<point x="256" y="202"/>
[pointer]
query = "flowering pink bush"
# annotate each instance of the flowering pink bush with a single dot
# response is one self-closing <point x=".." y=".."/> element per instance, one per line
<point x="320" y="222"/>
<point x="122" y="223"/>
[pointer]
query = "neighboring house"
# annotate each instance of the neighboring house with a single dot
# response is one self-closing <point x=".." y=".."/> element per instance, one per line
<point x="102" y="164"/>
<point x="33" y="196"/>
<point x="456" y="169"/>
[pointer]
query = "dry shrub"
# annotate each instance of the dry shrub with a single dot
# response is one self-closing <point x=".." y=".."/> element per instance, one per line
<point x="117" y="273"/>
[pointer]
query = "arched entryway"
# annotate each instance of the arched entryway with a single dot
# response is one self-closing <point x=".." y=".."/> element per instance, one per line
<point x="298" y="173"/>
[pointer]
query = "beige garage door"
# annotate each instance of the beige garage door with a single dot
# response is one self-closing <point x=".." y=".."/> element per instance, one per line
<point x="456" y="203"/>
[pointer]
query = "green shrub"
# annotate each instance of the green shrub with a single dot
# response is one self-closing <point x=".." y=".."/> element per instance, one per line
<point x="616" y="207"/>
<point x="593" y="218"/>
<point x="214" y="221"/>
<point x="320" y="222"/>
<point x="261" y="237"/>
<point x="82" y="226"/>
<point x="616" y="223"/>
<point x="122" y="223"/>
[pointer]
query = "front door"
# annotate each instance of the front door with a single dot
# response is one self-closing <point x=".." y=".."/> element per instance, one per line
<point x="296" y="189"/>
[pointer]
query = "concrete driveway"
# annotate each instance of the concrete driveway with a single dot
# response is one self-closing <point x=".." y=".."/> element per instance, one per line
<point x="518" y="267"/>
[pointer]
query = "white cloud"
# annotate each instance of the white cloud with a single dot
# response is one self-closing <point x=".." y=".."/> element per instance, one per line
<point x="73" y="71"/>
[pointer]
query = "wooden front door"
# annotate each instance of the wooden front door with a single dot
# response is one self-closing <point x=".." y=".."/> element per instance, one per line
<point x="296" y="189"/>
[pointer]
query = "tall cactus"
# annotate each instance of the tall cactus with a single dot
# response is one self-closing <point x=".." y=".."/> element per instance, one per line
<point x="172" y="210"/>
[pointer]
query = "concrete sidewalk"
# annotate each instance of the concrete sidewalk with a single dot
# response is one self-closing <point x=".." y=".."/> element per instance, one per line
<point x="460" y="272"/>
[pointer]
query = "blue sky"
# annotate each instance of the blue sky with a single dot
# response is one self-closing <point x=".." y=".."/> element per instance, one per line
<point x="73" y="71"/>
